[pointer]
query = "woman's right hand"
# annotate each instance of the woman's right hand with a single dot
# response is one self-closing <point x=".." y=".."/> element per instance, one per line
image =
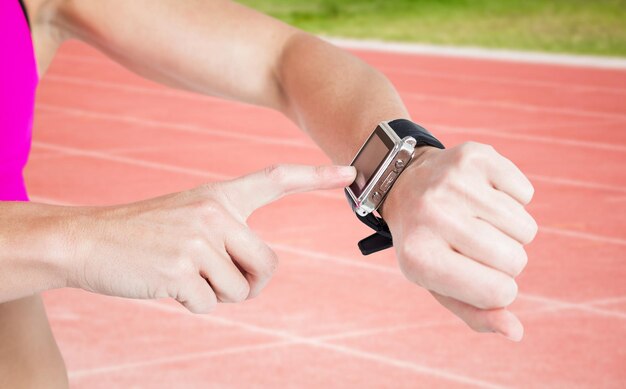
<point x="192" y="246"/>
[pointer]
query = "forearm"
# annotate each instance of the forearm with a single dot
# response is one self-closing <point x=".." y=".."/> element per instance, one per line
<point x="223" y="49"/>
<point x="217" y="47"/>
<point x="32" y="249"/>
<point x="335" y="97"/>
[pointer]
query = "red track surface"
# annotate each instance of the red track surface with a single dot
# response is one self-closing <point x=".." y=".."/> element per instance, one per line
<point x="332" y="318"/>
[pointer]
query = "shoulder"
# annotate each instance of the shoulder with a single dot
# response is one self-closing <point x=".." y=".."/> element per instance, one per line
<point x="48" y="30"/>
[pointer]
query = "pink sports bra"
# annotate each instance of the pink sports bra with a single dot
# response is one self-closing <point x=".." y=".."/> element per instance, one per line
<point x="18" y="82"/>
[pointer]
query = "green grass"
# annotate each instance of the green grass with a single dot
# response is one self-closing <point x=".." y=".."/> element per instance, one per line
<point x="570" y="26"/>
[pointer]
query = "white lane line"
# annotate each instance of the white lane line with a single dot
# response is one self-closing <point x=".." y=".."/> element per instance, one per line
<point x="322" y="256"/>
<point x="216" y="176"/>
<point x="500" y="104"/>
<point x="77" y="374"/>
<point x="131" y="161"/>
<point x="303" y="144"/>
<point x="586" y="307"/>
<point x="583" y="235"/>
<point x="229" y="134"/>
<point x="187" y="357"/>
<point x="89" y="372"/>
<point x="534" y="177"/>
<point x="394" y="271"/>
<point x="270" y="140"/>
<point x="166" y="92"/>
<point x="607" y="301"/>
<point x="586" y="61"/>
<point x="418" y="72"/>
<point x="531" y="138"/>
<point x="204" y="174"/>
<point x="290" y="339"/>
<point x="154" y="91"/>
<point x="577" y="124"/>
<point x="389" y="270"/>
<point x="384" y="360"/>
<point x="524" y="82"/>
<point x="560" y="181"/>
<point x="414" y="95"/>
<point x="383" y="330"/>
<point x="214" y="100"/>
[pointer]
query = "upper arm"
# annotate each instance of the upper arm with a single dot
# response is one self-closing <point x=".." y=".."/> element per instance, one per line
<point x="214" y="47"/>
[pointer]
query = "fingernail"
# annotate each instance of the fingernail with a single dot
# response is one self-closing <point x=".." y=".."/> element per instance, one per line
<point x="515" y="335"/>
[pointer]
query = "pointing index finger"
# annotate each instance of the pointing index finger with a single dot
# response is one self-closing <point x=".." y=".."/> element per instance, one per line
<point x="258" y="189"/>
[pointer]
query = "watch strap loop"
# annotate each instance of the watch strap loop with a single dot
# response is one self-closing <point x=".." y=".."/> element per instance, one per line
<point x="379" y="240"/>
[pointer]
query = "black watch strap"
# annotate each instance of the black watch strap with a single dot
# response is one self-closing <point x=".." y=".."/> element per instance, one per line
<point x="382" y="239"/>
<point x="404" y="127"/>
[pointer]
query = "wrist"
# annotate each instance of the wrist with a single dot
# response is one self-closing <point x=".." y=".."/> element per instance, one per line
<point x="34" y="248"/>
<point x="52" y="244"/>
<point x="81" y="232"/>
<point x="62" y="238"/>
<point x="407" y="179"/>
<point x="382" y="162"/>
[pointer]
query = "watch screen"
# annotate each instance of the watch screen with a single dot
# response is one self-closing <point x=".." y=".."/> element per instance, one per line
<point x="371" y="156"/>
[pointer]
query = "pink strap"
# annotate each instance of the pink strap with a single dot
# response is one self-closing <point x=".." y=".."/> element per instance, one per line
<point x="18" y="81"/>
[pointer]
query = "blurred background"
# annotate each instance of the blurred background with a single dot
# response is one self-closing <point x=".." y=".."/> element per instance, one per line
<point x="565" y="26"/>
<point x="331" y="318"/>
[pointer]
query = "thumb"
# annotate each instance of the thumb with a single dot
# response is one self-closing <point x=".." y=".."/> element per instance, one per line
<point x="255" y="190"/>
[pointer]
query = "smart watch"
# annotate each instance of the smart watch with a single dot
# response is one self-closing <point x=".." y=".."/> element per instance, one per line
<point x="379" y="163"/>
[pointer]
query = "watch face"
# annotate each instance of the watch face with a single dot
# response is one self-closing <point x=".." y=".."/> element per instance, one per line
<point x="370" y="158"/>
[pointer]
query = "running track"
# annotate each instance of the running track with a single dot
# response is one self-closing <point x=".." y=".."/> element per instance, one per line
<point x="332" y="318"/>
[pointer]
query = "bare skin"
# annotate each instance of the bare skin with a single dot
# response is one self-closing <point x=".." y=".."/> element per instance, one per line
<point x="223" y="49"/>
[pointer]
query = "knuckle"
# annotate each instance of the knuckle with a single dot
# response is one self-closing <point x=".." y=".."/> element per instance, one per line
<point x="519" y="260"/>
<point x="207" y="189"/>
<point x="204" y="306"/>
<point x="321" y="172"/>
<point x="210" y="209"/>
<point x="210" y="303"/>
<point x="270" y="264"/>
<point x="531" y="191"/>
<point x="471" y="147"/>
<point x="528" y="228"/>
<point x="195" y="247"/>
<point x="239" y="291"/>
<point x="532" y="229"/>
<point x="471" y="154"/>
<point x="276" y="173"/>
<point x="182" y="268"/>
<point x="508" y="293"/>
<point x="491" y="320"/>
<point x="488" y="149"/>
<point x="501" y="293"/>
